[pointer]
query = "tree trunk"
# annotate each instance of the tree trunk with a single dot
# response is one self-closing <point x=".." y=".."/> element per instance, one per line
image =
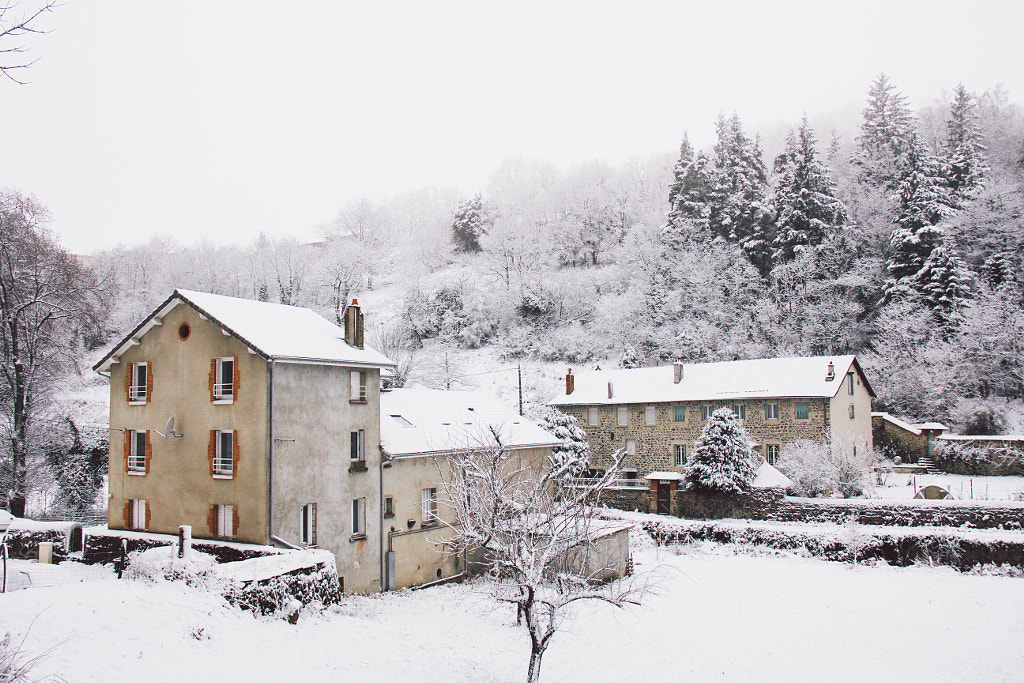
<point x="19" y="442"/>
<point x="536" y="653"/>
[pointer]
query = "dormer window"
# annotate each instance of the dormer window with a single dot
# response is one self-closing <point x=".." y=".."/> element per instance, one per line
<point x="139" y="383"/>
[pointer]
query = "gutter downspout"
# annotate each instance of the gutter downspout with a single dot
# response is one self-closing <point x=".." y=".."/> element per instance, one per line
<point x="270" y="453"/>
<point x="380" y="510"/>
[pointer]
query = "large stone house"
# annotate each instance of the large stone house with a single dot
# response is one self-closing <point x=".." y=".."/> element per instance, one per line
<point x="252" y="422"/>
<point x="657" y="414"/>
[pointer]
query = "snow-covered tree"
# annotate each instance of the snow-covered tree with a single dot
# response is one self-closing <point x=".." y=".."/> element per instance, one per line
<point x="535" y="536"/>
<point x="571" y="459"/>
<point x="836" y="466"/>
<point x="630" y="358"/>
<point x="806" y="206"/>
<point x="469" y="221"/>
<point x="965" y="165"/>
<point x="998" y="270"/>
<point x="885" y="133"/>
<point x="722" y="459"/>
<point x="943" y="282"/>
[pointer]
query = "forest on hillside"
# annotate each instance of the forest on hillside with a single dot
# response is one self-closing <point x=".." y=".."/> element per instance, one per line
<point x="901" y="245"/>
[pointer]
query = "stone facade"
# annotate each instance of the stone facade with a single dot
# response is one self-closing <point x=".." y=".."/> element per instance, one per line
<point x="655" y="442"/>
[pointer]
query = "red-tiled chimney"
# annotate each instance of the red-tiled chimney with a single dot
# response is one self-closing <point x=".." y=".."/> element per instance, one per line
<point x="570" y="382"/>
<point x="354" y="324"/>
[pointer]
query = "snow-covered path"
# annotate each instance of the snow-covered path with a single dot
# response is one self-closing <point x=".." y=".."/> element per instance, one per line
<point x="715" y="616"/>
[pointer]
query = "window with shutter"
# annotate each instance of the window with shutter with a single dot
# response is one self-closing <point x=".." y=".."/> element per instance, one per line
<point x="802" y="410"/>
<point x="359" y="518"/>
<point x="137" y="452"/>
<point x="139" y="383"/>
<point x="224" y="372"/>
<point x="679" y="414"/>
<point x="307" y="524"/>
<point x="622" y="416"/>
<point x="650" y="415"/>
<point x="358" y="389"/>
<point x="357" y="445"/>
<point x="771" y="411"/>
<point x="592" y="416"/>
<point x="225" y="520"/>
<point x="224" y="454"/>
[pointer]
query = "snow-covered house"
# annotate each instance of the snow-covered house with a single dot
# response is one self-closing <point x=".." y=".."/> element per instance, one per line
<point x="249" y="421"/>
<point x="419" y="427"/>
<point x="656" y="414"/>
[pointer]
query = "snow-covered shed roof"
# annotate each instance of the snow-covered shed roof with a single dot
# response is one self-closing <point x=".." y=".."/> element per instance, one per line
<point x="768" y="477"/>
<point x="272" y="331"/>
<point x="915" y="429"/>
<point x="431" y="421"/>
<point x="764" y="378"/>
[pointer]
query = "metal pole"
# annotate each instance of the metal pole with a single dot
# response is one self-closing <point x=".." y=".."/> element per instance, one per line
<point x="520" y="369"/>
<point x="3" y="554"/>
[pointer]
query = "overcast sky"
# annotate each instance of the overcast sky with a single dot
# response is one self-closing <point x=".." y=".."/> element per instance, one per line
<point x="224" y="119"/>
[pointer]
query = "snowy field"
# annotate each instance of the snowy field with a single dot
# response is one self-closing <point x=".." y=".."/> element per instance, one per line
<point x="996" y="489"/>
<point x="717" y="615"/>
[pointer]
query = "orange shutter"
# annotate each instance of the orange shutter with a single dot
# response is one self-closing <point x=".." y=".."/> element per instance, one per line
<point x="213" y="378"/>
<point x="234" y="521"/>
<point x="127" y="447"/>
<point x="129" y="370"/>
<point x="211" y="520"/>
<point x="211" y="450"/>
<point x="149" y="382"/>
<point x="148" y="514"/>
<point x="237" y="376"/>
<point x="234" y="453"/>
<point x="128" y="514"/>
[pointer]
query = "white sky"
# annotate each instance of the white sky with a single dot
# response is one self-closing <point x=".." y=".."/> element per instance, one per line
<point x="224" y="119"/>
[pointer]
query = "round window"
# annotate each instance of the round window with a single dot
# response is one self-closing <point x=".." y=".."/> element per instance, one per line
<point x="184" y="332"/>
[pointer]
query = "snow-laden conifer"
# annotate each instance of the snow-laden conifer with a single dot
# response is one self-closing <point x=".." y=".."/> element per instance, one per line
<point x="965" y="165"/>
<point x="722" y="459"/>
<point x="885" y="133"/>
<point x="572" y="459"/>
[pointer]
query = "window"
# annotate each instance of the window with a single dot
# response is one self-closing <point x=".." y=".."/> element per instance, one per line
<point x="224" y="454"/>
<point x="223" y="387"/>
<point x="389" y="507"/>
<point x="592" y="416"/>
<point x="358" y="378"/>
<point x="307" y="524"/>
<point x="137" y="452"/>
<point x="849" y="383"/>
<point x="138" y="383"/>
<point x="739" y="410"/>
<point x="623" y="416"/>
<point x="679" y="414"/>
<point x="705" y="412"/>
<point x="224" y="521"/>
<point x="678" y="454"/>
<point x="630" y="446"/>
<point x="428" y="506"/>
<point x="357" y="445"/>
<point x="851" y="411"/>
<point x="771" y="411"/>
<point x="136" y="514"/>
<point x="650" y="415"/>
<point x="359" y="517"/>
<point x="802" y="410"/>
<point x="772" y="453"/>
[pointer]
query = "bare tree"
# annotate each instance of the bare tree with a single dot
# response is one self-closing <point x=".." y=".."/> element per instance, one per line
<point x="535" y="536"/>
<point x="47" y="301"/>
<point x="13" y="32"/>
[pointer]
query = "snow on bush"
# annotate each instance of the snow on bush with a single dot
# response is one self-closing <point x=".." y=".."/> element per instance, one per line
<point x="979" y="459"/>
<point x="839" y="467"/>
<point x="571" y="459"/>
<point x="722" y="459"/>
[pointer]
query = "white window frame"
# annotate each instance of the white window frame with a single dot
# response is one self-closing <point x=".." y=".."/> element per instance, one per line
<point x="630" y="446"/>
<point x="357" y="381"/>
<point x="650" y="415"/>
<point x="622" y="416"/>
<point x="224" y="463"/>
<point x="357" y="445"/>
<point x="796" y="410"/>
<point x="359" y="517"/>
<point x="771" y="411"/>
<point x="138" y="393"/>
<point x="852" y="412"/>
<point x="224" y="389"/>
<point x="307" y="524"/>
<point x="593" y="416"/>
<point x="428" y="506"/>
<point x="137" y="460"/>
<point x="740" y="410"/>
<point x="771" y="453"/>
<point x="705" y="411"/>
<point x="139" y="513"/>
<point x="849" y="377"/>
<point x="226" y="521"/>
<point x="678" y="454"/>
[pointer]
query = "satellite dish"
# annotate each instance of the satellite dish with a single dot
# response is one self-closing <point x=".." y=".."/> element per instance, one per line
<point x="169" y="430"/>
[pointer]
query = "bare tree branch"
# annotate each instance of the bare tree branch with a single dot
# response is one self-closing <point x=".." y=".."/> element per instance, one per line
<point x="17" y="30"/>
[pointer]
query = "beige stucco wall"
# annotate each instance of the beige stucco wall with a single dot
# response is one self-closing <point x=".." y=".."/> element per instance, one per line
<point x="178" y="485"/>
<point x="419" y="550"/>
<point x="313" y="418"/>
<point x="860" y="425"/>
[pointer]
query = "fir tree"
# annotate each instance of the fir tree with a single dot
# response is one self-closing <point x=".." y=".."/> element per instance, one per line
<point x="469" y="221"/>
<point x="965" y="165"/>
<point x="690" y="195"/>
<point x="722" y="459"/>
<point x="942" y="282"/>
<point x="885" y="133"/>
<point x="680" y="169"/>
<point x="572" y="458"/>
<point x="630" y="359"/>
<point x="998" y="270"/>
<point x="805" y="202"/>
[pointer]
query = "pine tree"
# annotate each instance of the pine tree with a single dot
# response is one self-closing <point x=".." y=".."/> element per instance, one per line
<point x="722" y="459"/>
<point x="965" y="165"/>
<point x="630" y="359"/>
<point x="572" y="459"/>
<point x="885" y="133"/>
<point x="469" y="221"/>
<point x="690" y="196"/>
<point x="680" y="169"/>
<point x="805" y="201"/>
<point x="943" y="283"/>
<point x="998" y="270"/>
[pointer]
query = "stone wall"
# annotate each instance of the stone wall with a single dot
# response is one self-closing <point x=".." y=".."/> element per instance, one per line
<point x="895" y="442"/>
<point x="654" y="443"/>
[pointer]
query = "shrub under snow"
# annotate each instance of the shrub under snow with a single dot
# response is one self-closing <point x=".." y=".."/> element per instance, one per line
<point x="838" y="467"/>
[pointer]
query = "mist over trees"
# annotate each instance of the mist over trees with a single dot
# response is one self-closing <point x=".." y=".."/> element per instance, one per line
<point x="901" y="245"/>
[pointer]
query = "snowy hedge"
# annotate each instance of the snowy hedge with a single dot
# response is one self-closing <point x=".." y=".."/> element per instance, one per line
<point x="974" y="458"/>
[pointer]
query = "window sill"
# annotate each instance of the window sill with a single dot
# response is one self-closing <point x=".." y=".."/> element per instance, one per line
<point x="356" y="537"/>
<point x="223" y="401"/>
<point x="133" y="473"/>
<point x="223" y="476"/>
<point x="358" y="466"/>
<point x="137" y="403"/>
<point x="429" y="525"/>
<point x="389" y="515"/>
<point x="357" y="400"/>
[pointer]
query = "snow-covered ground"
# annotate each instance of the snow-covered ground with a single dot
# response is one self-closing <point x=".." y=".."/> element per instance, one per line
<point x="715" y="615"/>
<point x="962" y="487"/>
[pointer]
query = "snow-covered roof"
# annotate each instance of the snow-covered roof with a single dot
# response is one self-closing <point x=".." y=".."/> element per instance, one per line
<point x="273" y="331"/>
<point x="764" y="378"/>
<point x="912" y="428"/>
<point x="768" y="477"/>
<point x="664" y="476"/>
<point x="430" y="421"/>
<point x="968" y="437"/>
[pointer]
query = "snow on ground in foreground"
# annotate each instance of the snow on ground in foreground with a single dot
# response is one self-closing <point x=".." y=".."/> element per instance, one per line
<point x="962" y="487"/>
<point x="715" y="616"/>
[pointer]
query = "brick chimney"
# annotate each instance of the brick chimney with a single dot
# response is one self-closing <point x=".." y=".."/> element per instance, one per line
<point x="831" y="375"/>
<point x="570" y="382"/>
<point x="354" y="324"/>
<point x="677" y="372"/>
